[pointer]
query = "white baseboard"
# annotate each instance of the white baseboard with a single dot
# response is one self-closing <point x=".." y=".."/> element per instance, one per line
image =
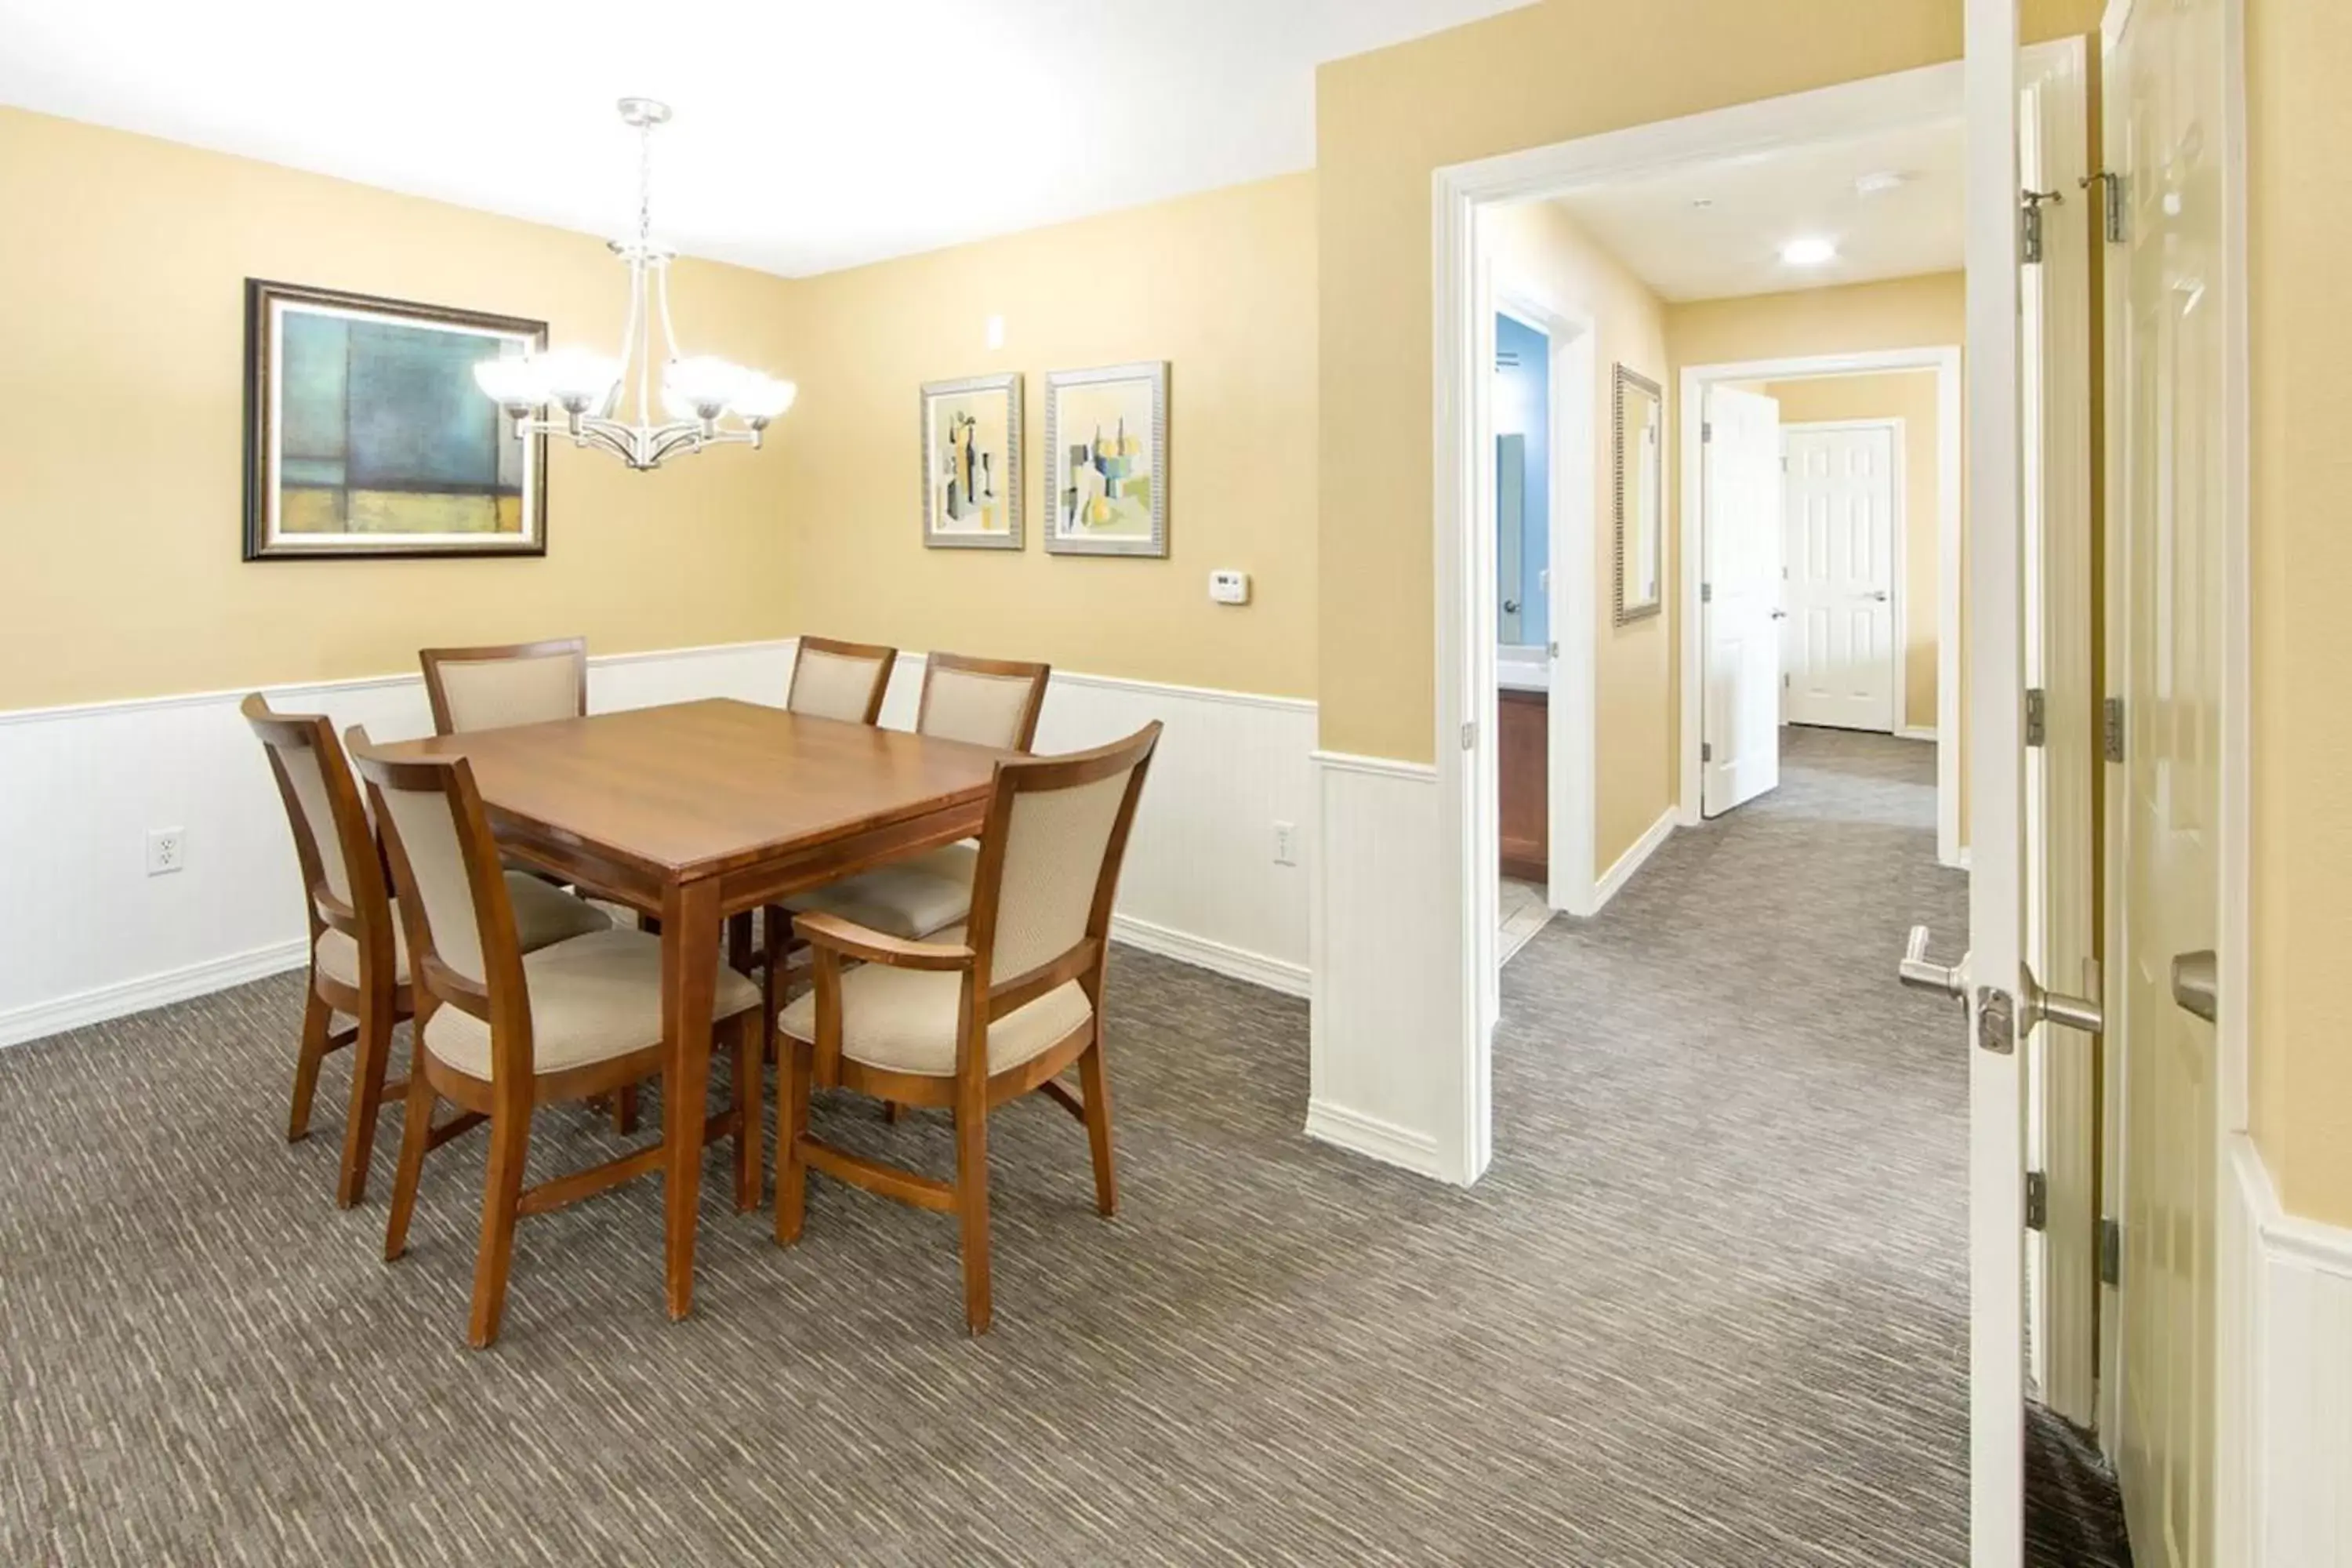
<point x="1618" y="875"/>
<point x="2284" y="1371"/>
<point x="91" y="936"/>
<point x="1223" y="958"/>
<point x="1915" y="732"/>
<point x="201" y="979"/>
<point x="1375" y="1139"/>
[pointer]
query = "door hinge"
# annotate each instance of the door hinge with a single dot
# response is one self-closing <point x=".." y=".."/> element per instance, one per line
<point x="2114" y="218"/>
<point x="1784" y="680"/>
<point x="2029" y="224"/>
<point x="1469" y="736"/>
<point x="2037" y="716"/>
<point x="1707" y="593"/>
<point x="1707" y="751"/>
<point x="1784" y="462"/>
<point x="1707" y="430"/>
<point x="2037" y="1200"/>
<point x="2111" y="729"/>
<point x="2111" y="1252"/>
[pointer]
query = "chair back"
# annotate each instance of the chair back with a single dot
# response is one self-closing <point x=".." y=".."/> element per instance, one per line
<point x="462" y="950"/>
<point x="342" y="878"/>
<point x="842" y="680"/>
<point x="1049" y="858"/>
<point x="988" y="702"/>
<point x="512" y="683"/>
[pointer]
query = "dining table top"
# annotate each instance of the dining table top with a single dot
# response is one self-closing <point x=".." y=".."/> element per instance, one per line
<point x="698" y="788"/>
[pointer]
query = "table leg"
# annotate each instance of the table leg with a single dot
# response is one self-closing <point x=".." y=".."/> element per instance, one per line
<point x="690" y="932"/>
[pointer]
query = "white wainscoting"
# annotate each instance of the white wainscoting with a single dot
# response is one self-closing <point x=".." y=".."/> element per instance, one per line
<point x="1380" y="1083"/>
<point x="2283" y="1347"/>
<point x="1201" y="882"/>
<point x="1637" y="854"/>
<point x="85" y="934"/>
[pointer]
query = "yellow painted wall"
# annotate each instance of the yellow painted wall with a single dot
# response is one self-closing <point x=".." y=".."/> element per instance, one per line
<point x="1910" y="396"/>
<point x="122" y="353"/>
<point x="1222" y="285"/>
<point x="1538" y="249"/>
<point x="2298" y="54"/>
<point x="1385" y="121"/>
<point x="1900" y="314"/>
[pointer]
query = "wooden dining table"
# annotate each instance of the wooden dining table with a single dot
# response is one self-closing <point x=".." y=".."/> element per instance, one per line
<point x="698" y="811"/>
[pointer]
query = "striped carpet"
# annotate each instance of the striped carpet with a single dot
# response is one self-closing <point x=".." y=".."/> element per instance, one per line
<point x="1706" y="1309"/>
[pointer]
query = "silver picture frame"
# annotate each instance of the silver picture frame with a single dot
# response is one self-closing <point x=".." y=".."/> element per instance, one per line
<point x="939" y="486"/>
<point x="1063" y="492"/>
<point x="1639" y="478"/>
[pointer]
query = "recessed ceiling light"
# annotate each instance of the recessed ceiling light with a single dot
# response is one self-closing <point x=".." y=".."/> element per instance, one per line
<point x="1811" y="251"/>
<point x="1880" y="182"/>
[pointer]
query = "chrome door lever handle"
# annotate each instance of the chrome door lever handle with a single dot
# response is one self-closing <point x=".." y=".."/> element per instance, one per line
<point x="1920" y="974"/>
<point x="2037" y="1005"/>
<point x="2194" y="984"/>
<point x="1879" y="595"/>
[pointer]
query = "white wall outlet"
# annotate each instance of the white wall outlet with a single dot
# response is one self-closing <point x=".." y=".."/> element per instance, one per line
<point x="167" y="850"/>
<point x="1286" y="843"/>
<point x="1228" y="587"/>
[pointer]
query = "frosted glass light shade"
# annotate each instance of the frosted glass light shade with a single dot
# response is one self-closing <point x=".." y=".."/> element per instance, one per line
<point x="578" y="379"/>
<point x="512" y="382"/>
<point x="702" y="386"/>
<point x="765" y="398"/>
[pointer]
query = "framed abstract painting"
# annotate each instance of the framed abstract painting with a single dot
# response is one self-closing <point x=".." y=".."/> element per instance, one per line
<point x="365" y="433"/>
<point x="1106" y="447"/>
<point x="972" y="463"/>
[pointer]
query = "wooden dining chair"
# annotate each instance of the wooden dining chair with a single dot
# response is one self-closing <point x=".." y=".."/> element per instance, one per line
<point x="509" y="683"/>
<point x="500" y="1032"/>
<point x="985" y="1012"/>
<point x="359" y="956"/>
<point x="987" y="702"/>
<point x="845" y="680"/>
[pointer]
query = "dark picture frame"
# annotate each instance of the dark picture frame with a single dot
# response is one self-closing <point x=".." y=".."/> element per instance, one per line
<point x="463" y="497"/>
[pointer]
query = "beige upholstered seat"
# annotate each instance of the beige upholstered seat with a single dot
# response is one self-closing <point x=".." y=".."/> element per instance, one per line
<point x="904" y="1020"/>
<point x="844" y="680"/>
<point x="592" y="998"/>
<point x="985" y="1012"/>
<point x="988" y="702"/>
<point x="544" y="914"/>
<point x="514" y="683"/>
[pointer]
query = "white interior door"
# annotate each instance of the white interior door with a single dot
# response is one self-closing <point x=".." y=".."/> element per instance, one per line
<point x="1739" y="598"/>
<point x="2167" y="102"/>
<point x="1838" y="642"/>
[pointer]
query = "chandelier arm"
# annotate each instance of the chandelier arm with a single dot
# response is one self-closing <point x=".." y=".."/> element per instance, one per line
<point x="609" y="436"/>
<point x="669" y="332"/>
<point x="628" y="336"/>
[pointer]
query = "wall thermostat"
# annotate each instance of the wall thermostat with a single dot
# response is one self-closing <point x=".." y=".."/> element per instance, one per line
<point x="1229" y="588"/>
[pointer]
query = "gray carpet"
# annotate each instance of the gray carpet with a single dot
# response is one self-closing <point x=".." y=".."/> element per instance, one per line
<point x="1706" y="1309"/>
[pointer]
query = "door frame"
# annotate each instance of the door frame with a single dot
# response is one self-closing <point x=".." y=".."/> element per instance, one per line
<point x="1571" y="610"/>
<point x="1944" y="360"/>
<point x="1898" y="563"/>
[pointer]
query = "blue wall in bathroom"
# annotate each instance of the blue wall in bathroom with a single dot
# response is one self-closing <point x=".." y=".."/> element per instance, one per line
<point x="1522" y="407"/>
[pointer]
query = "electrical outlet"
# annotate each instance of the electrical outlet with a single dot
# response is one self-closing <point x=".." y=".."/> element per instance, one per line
<point x="1286" y="843"/>
<point x="167" y="850"/>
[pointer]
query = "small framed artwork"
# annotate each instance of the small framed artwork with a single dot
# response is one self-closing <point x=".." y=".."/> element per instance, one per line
<point x="972" y="463"/>
<point x="365" y="433"/>
<point x="1106" y="451"/>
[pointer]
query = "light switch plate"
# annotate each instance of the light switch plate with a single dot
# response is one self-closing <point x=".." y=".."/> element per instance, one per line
<point x="1229" y="588"/>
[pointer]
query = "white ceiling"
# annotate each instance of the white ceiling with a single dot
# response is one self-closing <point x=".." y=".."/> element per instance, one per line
<point x="810" y="134"/>
<point x="1756" y="203"/>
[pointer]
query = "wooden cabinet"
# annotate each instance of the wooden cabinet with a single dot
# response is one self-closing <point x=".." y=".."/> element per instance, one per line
<point x="1523" y="725"/>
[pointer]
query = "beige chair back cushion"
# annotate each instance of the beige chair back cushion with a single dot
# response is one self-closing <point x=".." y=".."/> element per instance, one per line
<point x="969" y="705"/>
<point x="827" y="686"/>
<point x="1054" y="846"/>
<point x="426" y="822"/>
<point x="493" y="693"/>
<point x="306" y="774"/>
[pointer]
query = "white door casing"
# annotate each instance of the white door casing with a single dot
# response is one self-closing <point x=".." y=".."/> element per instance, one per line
<point x="1841" y="517"/>
<point x="2169" y="499"/>
<point x="1740" y="601"/>
<point x="1991" y="975"/>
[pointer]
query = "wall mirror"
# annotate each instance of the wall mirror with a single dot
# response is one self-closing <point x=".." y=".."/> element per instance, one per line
<point x="1639" y="422"/>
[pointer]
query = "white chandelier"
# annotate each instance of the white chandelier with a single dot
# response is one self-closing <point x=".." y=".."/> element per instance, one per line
<point x="699" y="392"/>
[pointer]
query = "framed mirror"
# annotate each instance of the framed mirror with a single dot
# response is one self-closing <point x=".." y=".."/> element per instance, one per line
<point x="1638" y="420"/>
